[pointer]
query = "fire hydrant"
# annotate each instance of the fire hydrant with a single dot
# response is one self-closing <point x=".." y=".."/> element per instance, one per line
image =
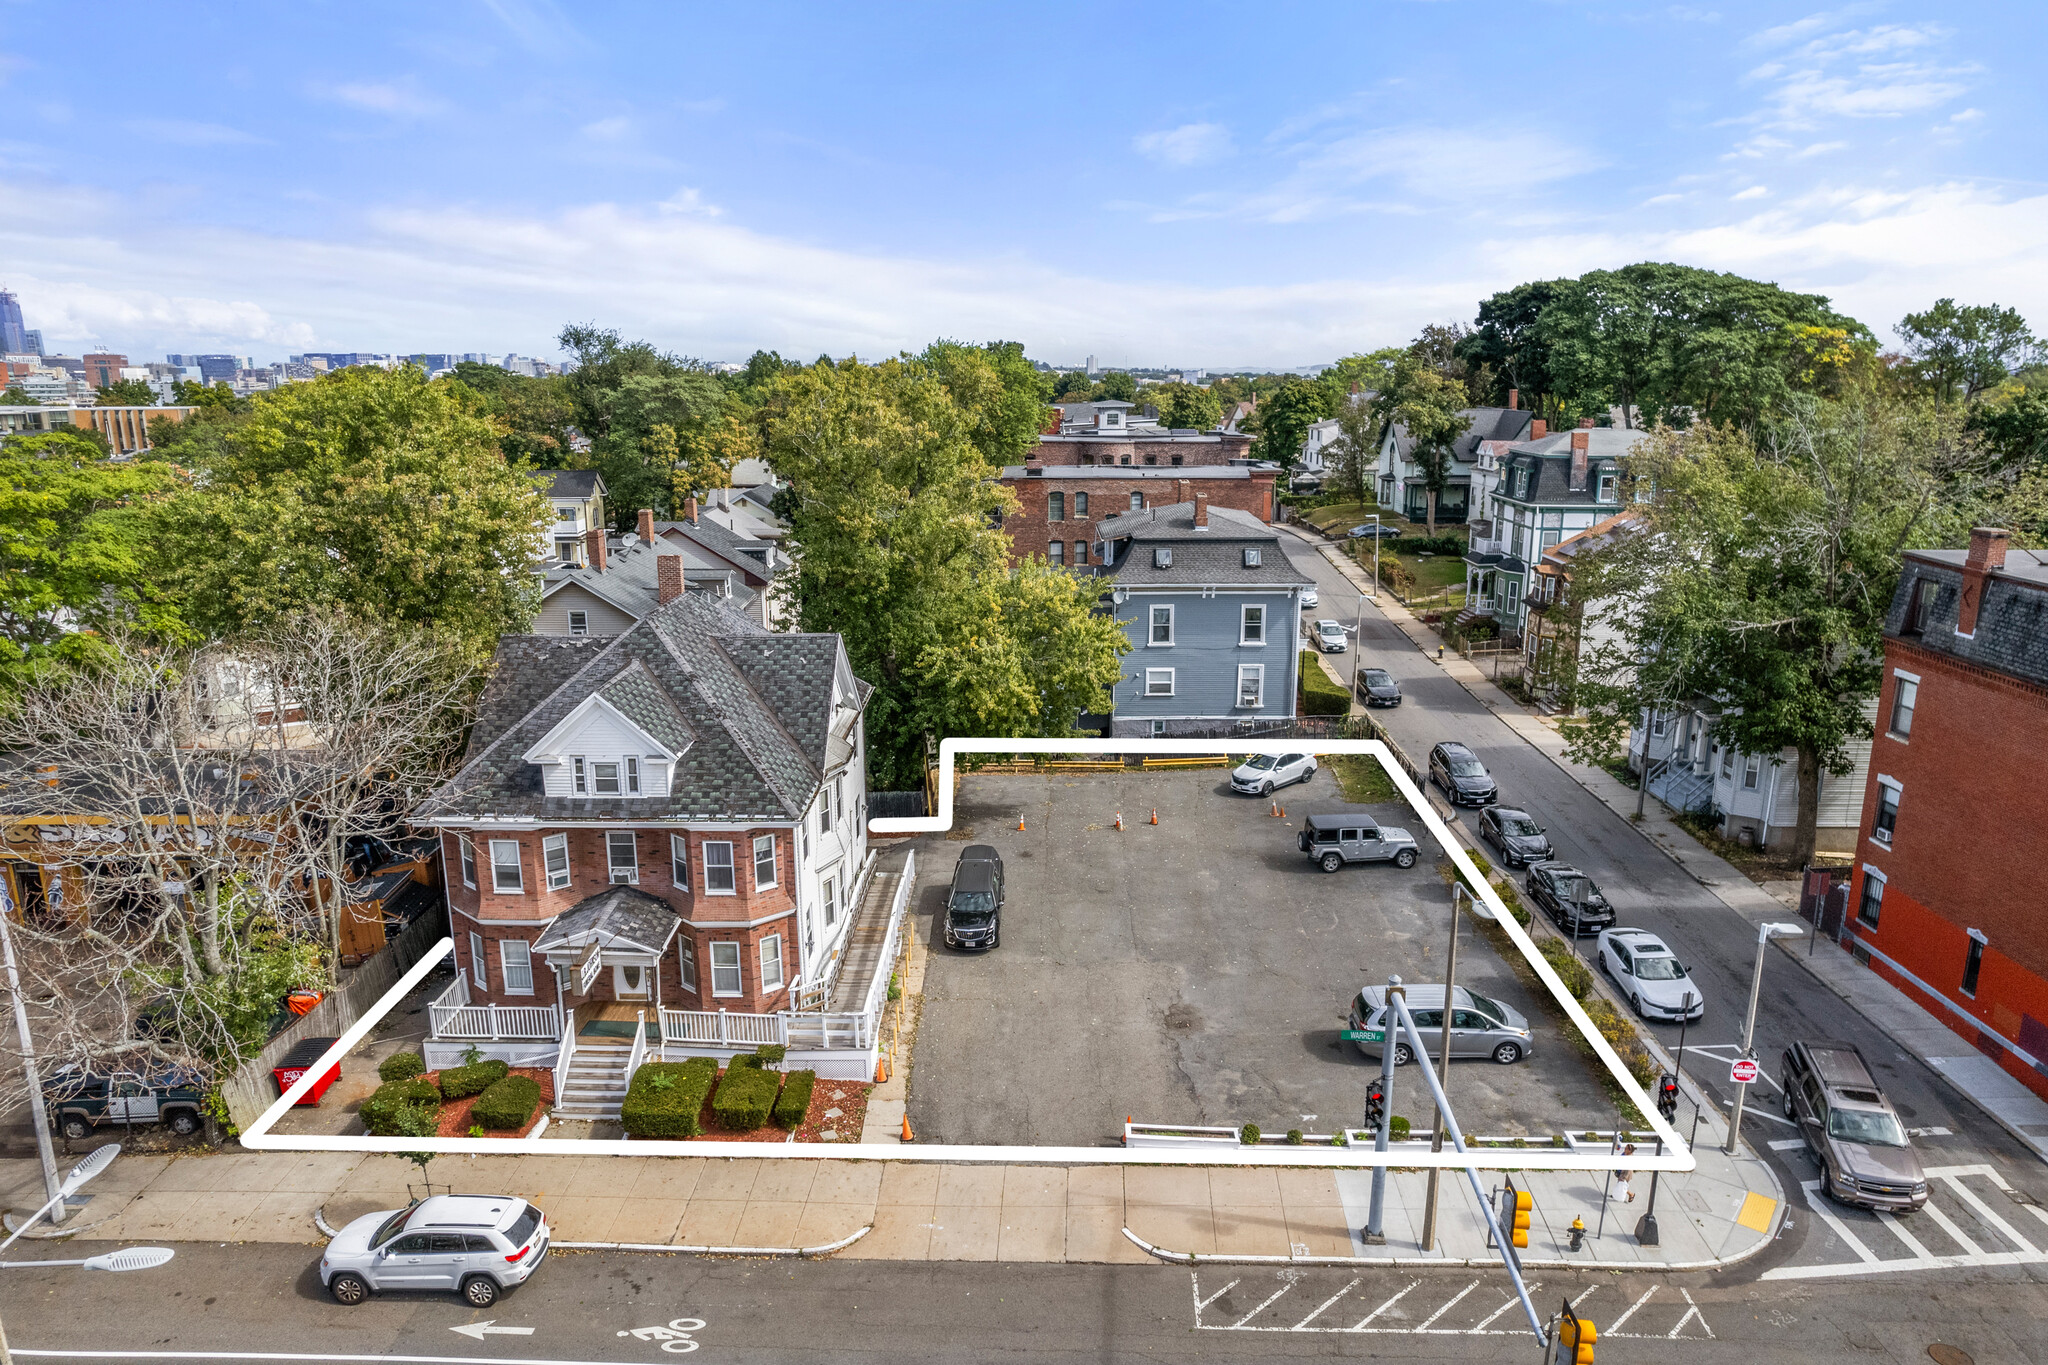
<point x="1578" y="1234"/>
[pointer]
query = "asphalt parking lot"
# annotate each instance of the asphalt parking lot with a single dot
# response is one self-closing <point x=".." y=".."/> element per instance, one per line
<point x="1196" y="971"/>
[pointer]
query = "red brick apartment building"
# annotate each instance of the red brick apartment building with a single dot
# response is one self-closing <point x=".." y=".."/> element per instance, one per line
<point x="1106" y="460"/>
<point x="1947" y="895"/>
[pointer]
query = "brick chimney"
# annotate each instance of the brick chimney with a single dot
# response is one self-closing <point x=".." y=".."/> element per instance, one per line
<point x="690" y="509"/>
<point x="1538" y="428"/>
<point x="1582" y="441"/>
<point x="668" y="577"/>
<point x="1514" y="399"/>
<point x="1201" y="511"/>
<point x="1986" y="557"/>
<point x="646" y="526"/>
<point x="1180" y="490"/>
<point x="593" y="547"/>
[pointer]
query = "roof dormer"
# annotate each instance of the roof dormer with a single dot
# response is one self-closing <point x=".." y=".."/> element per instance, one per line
<point x="598" y="751"/>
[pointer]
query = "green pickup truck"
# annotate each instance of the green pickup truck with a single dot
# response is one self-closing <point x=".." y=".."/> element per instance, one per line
<point x="80" y="1101"/>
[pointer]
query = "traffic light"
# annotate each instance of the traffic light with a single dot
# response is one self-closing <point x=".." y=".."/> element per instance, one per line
<point x="1575" y="1338"/>
<point x="1375" y="1105"/>
<point x="1667" y="1096"/>
<point x="1514" y="1214"/>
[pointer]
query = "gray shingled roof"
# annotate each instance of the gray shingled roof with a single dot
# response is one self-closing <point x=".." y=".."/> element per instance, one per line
<point x="751" y="707"/>
<point x="631" y="580"/>
<point x="617" y="914"/>
<point x="758" y="557"/>
<point x="1481" y="424"/>
<point x="2012" y="622"/>
<point x="571" y="483"/>
<point x="1554" y="464"/>
<point x="1215" y="555"/>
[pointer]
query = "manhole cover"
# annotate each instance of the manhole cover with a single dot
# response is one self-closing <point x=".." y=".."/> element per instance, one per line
<point x="1950" y="1355"/>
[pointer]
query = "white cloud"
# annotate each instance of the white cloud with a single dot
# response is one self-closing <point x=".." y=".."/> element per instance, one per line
<point x="189" y="132"/>
<point x="1442" y="163"/>
<point x="1191" y="144"/>
<point x="608" y="129"/>
<point x="536" y="25"/>
<point x="687" y="200"/>
<point x="382" y="97"/>
<point x="1753" y="192"/>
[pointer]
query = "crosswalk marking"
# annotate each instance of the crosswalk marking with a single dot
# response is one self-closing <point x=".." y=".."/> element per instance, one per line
<point x="1956" y="1234"/>
<point x="1985" y="1212"/>
<point x="1899" y="1230"/>
<point x="1840" y="1228"/>
<point x="1949" y="1183"/>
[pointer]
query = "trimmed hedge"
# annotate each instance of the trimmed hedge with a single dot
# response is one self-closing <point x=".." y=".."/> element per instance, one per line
<point x="1320" y="696"/>
<point x="745" y="1096"/>
<point x="795" y="1100"/>
<point x="771" y="1054"/>
<point x="1574" y="973"/>
<point x="743" y="1062"/>
<point x="665" y="1098"/>
<point x="380" y="1112"/>
<point x="401" y="1066"/>
<point x="507" y="1104"/>
<point x="460" y="1082"/>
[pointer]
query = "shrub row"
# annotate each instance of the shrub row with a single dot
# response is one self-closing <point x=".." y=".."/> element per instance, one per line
<point x="1577" y="977"/>
<point x="384" y="1111"/>
<point x="745" y="1095"/>
<point x="795" y="1100"/>
<point x="507" y="1103"/>
<point x="1621" y="1035"/>
<point x="401" y="1066"/>
<point x="460" y="1082"/>
<point x="665" y="1098"/>
<point x="1428" y="545"/>
<point x="1319" y="695"/>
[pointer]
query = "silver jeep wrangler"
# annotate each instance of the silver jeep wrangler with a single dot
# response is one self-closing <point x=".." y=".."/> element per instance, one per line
<point x="1330" y="841"/>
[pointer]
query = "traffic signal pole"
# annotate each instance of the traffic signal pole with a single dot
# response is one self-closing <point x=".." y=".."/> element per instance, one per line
<point x="1382" y="1123"/>
<point x="1443" y="1105"/>
<point x="1436" y="1137"/>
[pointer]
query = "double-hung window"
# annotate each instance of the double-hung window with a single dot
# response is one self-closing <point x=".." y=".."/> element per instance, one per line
<point x="1055" y="506"/>
<point x="555" y="854"/>
<point x="622" y="855"/>
<point x="718" y="877"/>
<point x="1137" y="500"/>
<point x="838" y="799"/>
<point x="467" y="853"/>
<point x="1607" y="485"/>
<point x="764" y="862"/>
<point x="1081" y="553"/>
<point x="579" y="623"/>
<point x="1080" y="506"/>
<point x="1905" y="696"/>
<point x="771" y="963"/>
<point x="1158" y="682"/>
<point x="505" y="876"/>
<point x="1873" y="896"/>
<point x="580" y="776"/>
<point x="1886" y="821"/>
<point x="1752" y="771"/>
<point x="1251" y="625"/>
<point x="604" y="779"/>
<point x="516" y="960"/>
<point x="1162" y="626"/>
<point x="725" y="968"/>
<point x="1251" y="685"/>
<point x="1728" y="760"/>
<point x="830" y="896"/>
<point x="632" y="776"/>
<point x="1056" y="552"/>
<point x="477" y="971"/>
<point x="679" y="862"/>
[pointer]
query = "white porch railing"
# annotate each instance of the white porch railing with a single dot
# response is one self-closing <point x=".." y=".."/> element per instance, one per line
<point x="639" y="1053"/>
<point x="562" y="1058"/>
<point x="452" y="1016"/>
<point x="878" y="989"/>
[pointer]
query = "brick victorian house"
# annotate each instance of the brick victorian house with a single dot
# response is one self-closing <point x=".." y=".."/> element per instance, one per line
<point x="1946" y="898"/>
<point x="669" y="820"/>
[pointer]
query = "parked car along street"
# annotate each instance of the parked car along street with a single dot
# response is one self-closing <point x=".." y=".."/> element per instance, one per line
<point x="478" y="1245"/>
<point x="1850" y="1127"/>
<point x="80" y="1101"/>
<point x="1518" y="838"/>
<point x="1650" y="975"/>
<point x="1569" y="897"/>
<point x="1261" y="773"/>
<point x="1329" y="637"/>
<point x="1461" y="776"/>
<point x="1310" y="598"/>
<point x="1480" y="1027"/>
<point x="1331" y="841"/>
<point x="974" y="904"/>
<point x="1376" y="687"/>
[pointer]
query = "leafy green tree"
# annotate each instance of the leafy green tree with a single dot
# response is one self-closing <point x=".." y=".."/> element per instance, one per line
<point x="16" y="397"/>
<point x="1973" y="348"/>
<point x="1764" y="575"/>
<point x="537" y="416"/>
<point x="1427" y="406"/>
<point x="1117" y="384"/>
<point x="1073" y="385"/>
<point x="125" y="393"/>
<point x="1187" y="406"/>
<point x="1441" y="346"/>
<point x="1352" y="460"/>
<point x="191" y="393"/>
<point x="621" y="392"/>
<point x="893" y="509"/>
<point x="77" y="558"/>
<point x="1508" y="340"/>
<point x="2014" y="426"/>
<point x="1283" y="417"/>
<point x="1005" y="393"/>
<point x="374" y="491"/>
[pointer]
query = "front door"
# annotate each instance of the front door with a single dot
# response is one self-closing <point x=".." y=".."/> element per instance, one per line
<point x="632" y="981"/>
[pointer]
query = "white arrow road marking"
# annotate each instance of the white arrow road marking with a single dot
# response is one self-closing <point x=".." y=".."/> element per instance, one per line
<point x="478" y="1330"/>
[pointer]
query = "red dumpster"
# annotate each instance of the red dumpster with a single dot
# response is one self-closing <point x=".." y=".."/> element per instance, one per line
<point x="295" y="1064"/>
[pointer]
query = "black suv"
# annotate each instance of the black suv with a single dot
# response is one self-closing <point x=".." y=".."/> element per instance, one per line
<point x="974" y="905"/>
<point x="1519" y="838"/>
<point x="80" y="1101"/>
<point x="1462" y="776"/>
<point x="1568" y="896"/>
<point x="1376" y="687"/>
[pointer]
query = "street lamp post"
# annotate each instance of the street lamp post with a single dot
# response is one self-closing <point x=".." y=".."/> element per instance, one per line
<point x="30" y="1075"/>
<point x="97" y="1161"/>
<point x="1764" y="934"/>
<point x="1375" y="556"/>
<point x="1436" y="1140"/>
<point x="1390" y="1035"/>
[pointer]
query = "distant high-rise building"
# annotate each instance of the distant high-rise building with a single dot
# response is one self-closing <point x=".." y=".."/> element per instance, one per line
<point x="34" y="337"/>
<point x="13" y="333"/>
<point x="217" y="369"/>
<point x="1091" y="364"/>
<point x="103" y="368"/>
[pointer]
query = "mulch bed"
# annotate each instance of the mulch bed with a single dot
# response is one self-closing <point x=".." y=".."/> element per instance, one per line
<point x="850" y="1098"/>
<point x="455" y="1120"/>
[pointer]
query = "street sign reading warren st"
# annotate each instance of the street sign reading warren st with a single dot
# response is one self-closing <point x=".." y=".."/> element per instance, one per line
<point x="1363" y="1035"/>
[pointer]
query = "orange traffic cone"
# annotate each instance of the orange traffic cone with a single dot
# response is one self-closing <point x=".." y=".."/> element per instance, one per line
<point x="1275" y="812"/>
<point x="1155" y="815"/>
<point x="881" y="1072"/>
<point x="907" y="1137"/>
<point x="1283" y="812"/>
<point x="1020" y="824"/>
<point x="1119" y="820"/>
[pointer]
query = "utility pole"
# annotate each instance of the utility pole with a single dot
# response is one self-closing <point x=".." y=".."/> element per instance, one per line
<point x="1643" y="778"/>
<point x="1764" y="934"/>
<point x="1375" y="556"/>
<point x="1436" y="1140"/>
<point x="1390" y="1038"/>
<point x="38" y="1114"/>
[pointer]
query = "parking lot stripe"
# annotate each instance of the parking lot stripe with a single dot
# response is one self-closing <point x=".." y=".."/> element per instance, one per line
<point x="1271" y="1299"/>
<point x="1512" y="1301"/>
<point x="1448" y="1306"/>
<point x="1367" y="1320"/>
<point x="1327" y="1302"/>
<point x="1630" y="1311"/>
<point x="1692" y="1311"/>
<point x="1200" y="1304"/>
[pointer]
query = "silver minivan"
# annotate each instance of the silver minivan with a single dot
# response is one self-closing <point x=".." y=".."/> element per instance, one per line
<point x="1480" y="1027"/>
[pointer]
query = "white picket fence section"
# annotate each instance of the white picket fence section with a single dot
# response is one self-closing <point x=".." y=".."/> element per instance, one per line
<point x="454" y="1017"/>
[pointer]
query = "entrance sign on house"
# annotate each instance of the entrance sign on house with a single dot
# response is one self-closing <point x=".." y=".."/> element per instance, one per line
<point x="592" y="965"/>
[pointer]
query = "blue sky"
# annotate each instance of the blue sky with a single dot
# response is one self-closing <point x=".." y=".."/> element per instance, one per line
<point x="1154" y="184"/>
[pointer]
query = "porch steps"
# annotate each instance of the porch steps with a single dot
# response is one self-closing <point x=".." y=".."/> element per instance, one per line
<point x="596" y="1084"/>
<point x="866" y="936"/>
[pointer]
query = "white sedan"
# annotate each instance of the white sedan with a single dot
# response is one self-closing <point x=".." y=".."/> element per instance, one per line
<point x="1656" y="983"/>
<point x="1310" y="598"/>
<point x="1261" y="773"/>
<point x="1329" y="637"/>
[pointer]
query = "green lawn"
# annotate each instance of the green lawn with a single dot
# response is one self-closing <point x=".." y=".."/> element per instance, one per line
<point x="1363" y="780"/>
<point x="1340" y="516"/>
<point x="1434" y="574"/>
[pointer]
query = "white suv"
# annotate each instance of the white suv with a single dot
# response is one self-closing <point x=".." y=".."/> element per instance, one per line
<point x="477" y="1244"/>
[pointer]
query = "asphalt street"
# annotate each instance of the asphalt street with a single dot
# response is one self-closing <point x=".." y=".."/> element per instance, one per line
<point x="1651" y="891"/>
<point x="222" y="1303"/>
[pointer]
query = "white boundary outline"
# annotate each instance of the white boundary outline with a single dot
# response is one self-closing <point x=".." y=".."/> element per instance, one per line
<point x="1677" y="1156"/>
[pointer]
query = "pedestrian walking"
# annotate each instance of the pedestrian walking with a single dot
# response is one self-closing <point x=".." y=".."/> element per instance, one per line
<point x="1622" y="1191"/>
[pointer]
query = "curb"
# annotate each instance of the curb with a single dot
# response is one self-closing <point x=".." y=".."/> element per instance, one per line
<point x="320" y="1222"/>
<point x="1191" y="1258"/>
<point x="825" y="1249"/>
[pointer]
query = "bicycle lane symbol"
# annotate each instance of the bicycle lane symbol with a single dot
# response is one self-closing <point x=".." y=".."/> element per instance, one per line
<point x="675" y="1338"/>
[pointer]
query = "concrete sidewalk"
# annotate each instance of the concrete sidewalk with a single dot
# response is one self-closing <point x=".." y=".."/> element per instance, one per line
<point x="1919" y="1032"/>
